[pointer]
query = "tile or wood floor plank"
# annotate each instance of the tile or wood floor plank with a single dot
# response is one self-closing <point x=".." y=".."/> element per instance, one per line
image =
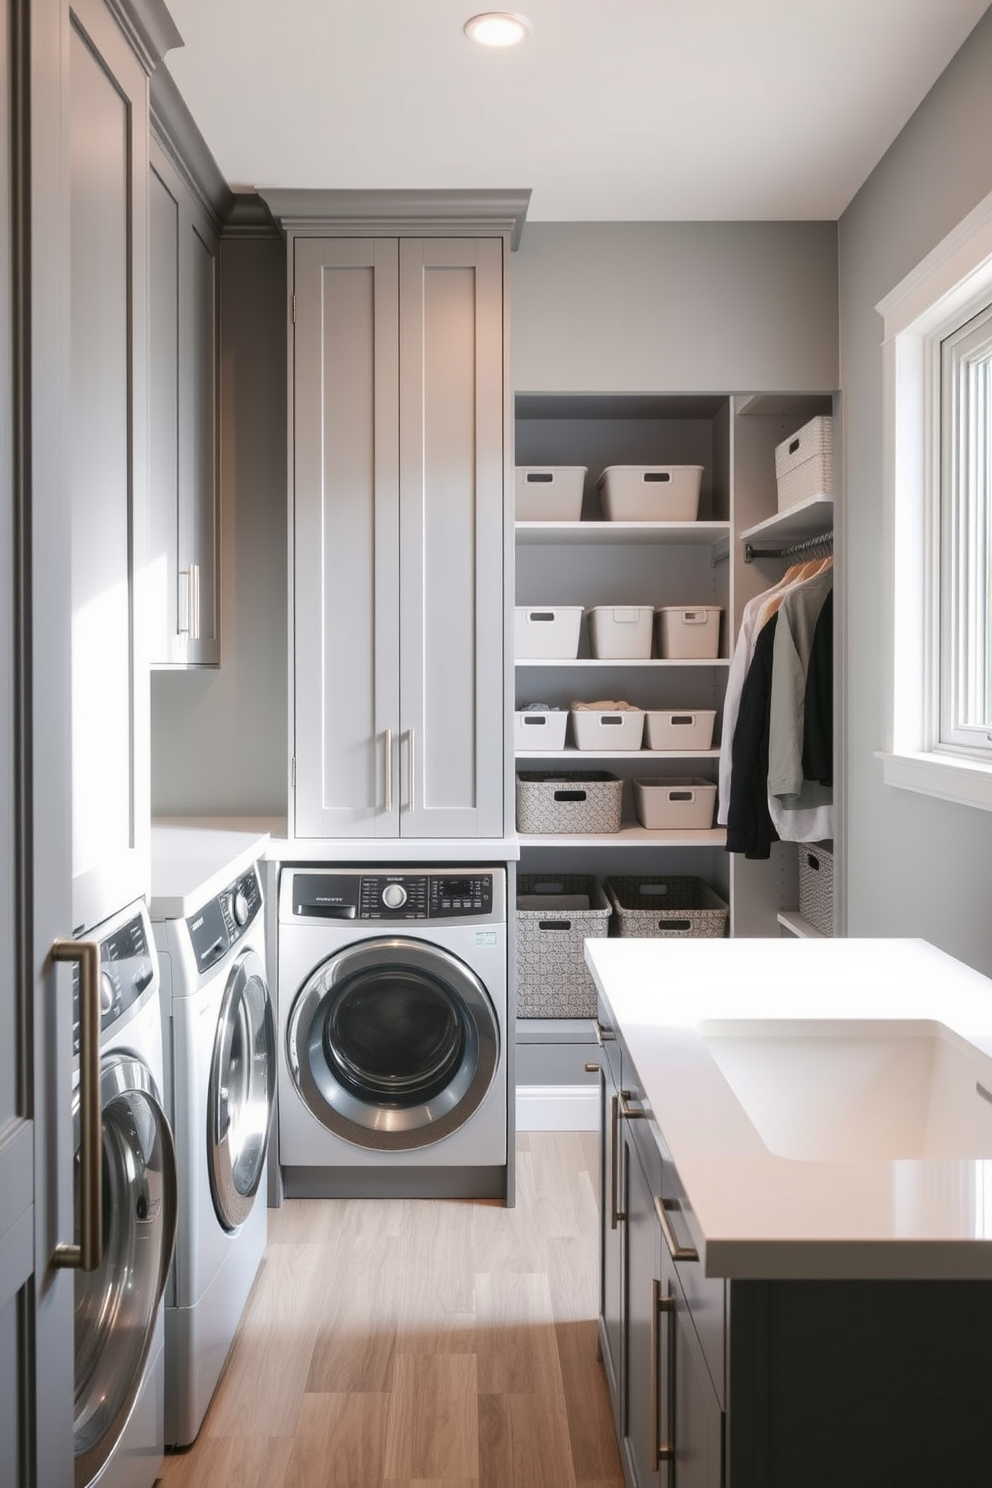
<point x="421" y="1344"/>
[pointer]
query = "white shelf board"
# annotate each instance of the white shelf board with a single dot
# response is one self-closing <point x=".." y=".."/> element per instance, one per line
<point x="796" y="925"/>
<point x="578" y="755"/>
<point x="585" y="662"/>
<point x="630" y="835"/>
<point x="612" y="533"/>
<point x="807" y="518"/>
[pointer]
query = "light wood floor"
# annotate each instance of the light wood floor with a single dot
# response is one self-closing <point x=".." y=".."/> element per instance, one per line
<point x="412" y="1343"/>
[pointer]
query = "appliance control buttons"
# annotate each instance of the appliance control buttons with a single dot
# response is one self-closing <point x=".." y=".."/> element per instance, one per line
<point x="239" y="906"/>
<point x="107" y="993"/>
<point x="394" y="896"/>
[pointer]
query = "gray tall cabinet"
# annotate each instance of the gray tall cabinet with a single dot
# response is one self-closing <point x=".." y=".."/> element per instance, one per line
<point x="399" y="529"/>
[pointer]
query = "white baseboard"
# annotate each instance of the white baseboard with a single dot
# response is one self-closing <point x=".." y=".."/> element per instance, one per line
<point x="557" y="1107"/>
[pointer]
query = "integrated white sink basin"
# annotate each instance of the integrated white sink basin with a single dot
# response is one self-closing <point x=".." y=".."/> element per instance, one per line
<point x="847" y="1090"/>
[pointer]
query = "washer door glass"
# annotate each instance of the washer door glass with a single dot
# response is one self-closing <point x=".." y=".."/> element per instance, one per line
<point x="241" y="1092"/>
<point x="393" y="1043"/>
<point x="116" y="1306"/>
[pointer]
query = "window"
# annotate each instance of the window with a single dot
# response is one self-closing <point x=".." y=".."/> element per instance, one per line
<point x="937" y="348"/>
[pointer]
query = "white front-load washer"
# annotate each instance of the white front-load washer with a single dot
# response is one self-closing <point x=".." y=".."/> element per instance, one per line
<point x="392" y="1031"/>
<point x="221" y="1075"/>
<point x="118" y="1316"/>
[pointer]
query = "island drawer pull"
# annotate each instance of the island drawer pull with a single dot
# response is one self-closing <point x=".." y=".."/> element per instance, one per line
<point x="661" y="1451"/>
<point x="676" y="1251"/>
<point x="603" y="1035"/>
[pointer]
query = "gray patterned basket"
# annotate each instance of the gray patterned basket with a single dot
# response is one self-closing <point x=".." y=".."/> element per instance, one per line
<point x="816" y="886"/>
<point x="665" y="905"/>
<point x="568" y="801"/>
<point x="553" y="980"/>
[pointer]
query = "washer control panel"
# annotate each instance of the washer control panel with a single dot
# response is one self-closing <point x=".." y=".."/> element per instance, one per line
<point x="126" y="971"/>
<point x="394" y="897"/>
<point x="221" y="922"/>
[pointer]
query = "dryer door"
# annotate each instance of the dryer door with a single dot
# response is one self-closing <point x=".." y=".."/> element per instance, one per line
<point x="393" y="1043"/>
<point x="241" y="1091"/>
<point x="116" y="1306"/>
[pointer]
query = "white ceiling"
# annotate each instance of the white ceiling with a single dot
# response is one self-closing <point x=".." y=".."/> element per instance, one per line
<point x="621" y="110"/>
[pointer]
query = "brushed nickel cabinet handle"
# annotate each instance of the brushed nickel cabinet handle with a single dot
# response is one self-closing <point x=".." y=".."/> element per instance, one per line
<point x="389" y="772"/>
<point x="194" y="601"/>
<point x="660" y="1451"/>
<point x="86" y="1256"/>
<point x="676" y="1251"/>
<point x="411" y="801"/>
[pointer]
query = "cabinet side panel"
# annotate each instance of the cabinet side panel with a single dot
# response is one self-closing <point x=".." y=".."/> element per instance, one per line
<point x="201" y="539"/>
<point x="163" y="427"/>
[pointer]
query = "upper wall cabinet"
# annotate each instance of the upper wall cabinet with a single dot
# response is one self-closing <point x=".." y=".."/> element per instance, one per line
<point x="399" y="536"/>
<point x="184" y="567"/>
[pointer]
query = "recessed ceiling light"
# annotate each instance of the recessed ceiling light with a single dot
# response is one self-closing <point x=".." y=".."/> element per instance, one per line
<point x="498" y="28"/>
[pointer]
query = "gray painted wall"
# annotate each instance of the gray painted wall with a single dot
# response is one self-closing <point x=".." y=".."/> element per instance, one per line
<point x="219" y="735"/>
<point x="599" y="307"/>
<point x="915" y="865"/>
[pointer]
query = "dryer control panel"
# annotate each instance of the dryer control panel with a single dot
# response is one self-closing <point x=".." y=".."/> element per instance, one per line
<point x="469" y="894"/>
<point x="126" y="971"/>
<point x="221" y="922"/>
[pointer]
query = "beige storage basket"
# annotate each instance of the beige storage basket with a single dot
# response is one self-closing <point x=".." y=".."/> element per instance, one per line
<point x="620" y="632"/>
<point x="816" y="886"/>
<point x="804" y="464"/>
<point x="688" y="632"/>
<point x="555" y="915"/>
<point x="539" y="730"/>
<point x="594" y="729"/>
<point x="666" y="906"/>
<point x="549" y="493"/>
<point x="679" y="728"/>
<point x="675" y="805"/>
<point x="650" y="493"/>
<point x="546" y="632"/>
<point x="568" y="801"/>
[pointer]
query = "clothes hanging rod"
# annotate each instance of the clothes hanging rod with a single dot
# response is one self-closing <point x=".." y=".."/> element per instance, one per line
<point x="792" y="550"/>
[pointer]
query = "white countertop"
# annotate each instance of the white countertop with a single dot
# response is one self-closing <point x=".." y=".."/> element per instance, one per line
<point x="389" y="850"/>
<point x="753" y="1212"/>
<point x="193" y="861"/>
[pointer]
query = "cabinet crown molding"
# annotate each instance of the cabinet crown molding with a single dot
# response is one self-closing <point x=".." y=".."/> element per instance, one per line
<point x="177" y="132"/>
<point x="451" y="213"/>
<point x="149" y="27"/>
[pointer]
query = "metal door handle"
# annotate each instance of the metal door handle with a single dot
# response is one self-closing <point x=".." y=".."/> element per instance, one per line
<point x="675" y="1250"/>
<point x="192" y="626"/>
<point x="619" y="1111"/>
<point x="87" y="1255"/>
<point x="411" y="806"/>
<point x="389" y="772"/>
<point x="660" y="1451"/>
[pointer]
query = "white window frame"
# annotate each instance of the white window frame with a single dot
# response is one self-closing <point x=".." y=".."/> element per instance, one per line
<point x="952" y="284"/>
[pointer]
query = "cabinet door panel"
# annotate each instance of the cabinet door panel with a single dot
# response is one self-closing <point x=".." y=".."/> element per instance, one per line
<point x="346" y="536"/>
<point x="165" y="228"/>
<point x="643" y="1268"/>
<point x="451" y="504"/>
<point x="199" y="546"/>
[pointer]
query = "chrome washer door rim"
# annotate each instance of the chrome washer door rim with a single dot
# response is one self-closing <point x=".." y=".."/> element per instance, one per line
<point x="375" y="1123"/>
<point x="241" y="1091"/>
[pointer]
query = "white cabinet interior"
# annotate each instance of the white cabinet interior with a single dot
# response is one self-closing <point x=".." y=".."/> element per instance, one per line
<point x="398" y="537"/>
<point x="184" y="563"/>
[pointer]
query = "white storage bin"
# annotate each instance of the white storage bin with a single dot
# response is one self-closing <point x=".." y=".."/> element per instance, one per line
<point x="539" y="730"/>
<point x="682" y="804"/>
<point x="549" y="493"/>
<point x="592" y="729"/>
<point x="546" y="633"/>
<point x="674" y="729"/>
<point x="620" y="632"/>
<point x="804" y="463"/>
<point x="688" y="633"/>
<point x="650" y="493"/>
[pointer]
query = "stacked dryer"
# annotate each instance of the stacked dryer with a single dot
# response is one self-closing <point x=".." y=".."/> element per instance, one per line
<point x="220" y="1082"/>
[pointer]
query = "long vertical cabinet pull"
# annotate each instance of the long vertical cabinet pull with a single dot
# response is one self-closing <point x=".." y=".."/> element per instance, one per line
<point x="192" y="626"/>
<point x="389" y="772"/>
<point x="411" y="805"/>
<point x="87" y="1255"/>
<point x="619" y="1111"/>
<point x="658" y="1451"/>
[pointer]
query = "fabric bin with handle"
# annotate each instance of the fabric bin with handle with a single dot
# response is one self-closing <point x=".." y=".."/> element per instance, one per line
<point x="596" y="729"/>
<point x="804" y="463"/>
<point x="684" y="805"/>
<point x="549" y="493"/>
<point x="679" y="729"/>
<point x="546" y="632"/>
<point x="539" y="730"/>
<point x="816" y="886"/>
<point x="688" y="633"/>
<point x="568" y="801"/>
<point x="620" y="632"/>
<point x="555" y="915"/>
<point x="666" y="905"/>
<point x="650" y="493"/>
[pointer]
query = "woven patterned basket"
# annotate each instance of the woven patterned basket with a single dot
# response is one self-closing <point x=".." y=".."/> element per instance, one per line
<point x="568" y="801"/>
<point x="816" y="886"/>
<point x="681" y="906"/>
<point x="553" y="980"/>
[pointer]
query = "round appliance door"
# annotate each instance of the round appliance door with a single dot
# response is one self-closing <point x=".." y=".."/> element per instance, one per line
<point x="393" y="1043"/>
<point x="241" y="1091"/>
<point x="116" y="1306"/>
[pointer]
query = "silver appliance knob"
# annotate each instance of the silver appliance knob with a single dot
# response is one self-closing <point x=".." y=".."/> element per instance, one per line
<point x="394" y="896"/>
<point x="239" y="907"/>
<point x="107" y="993"/>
